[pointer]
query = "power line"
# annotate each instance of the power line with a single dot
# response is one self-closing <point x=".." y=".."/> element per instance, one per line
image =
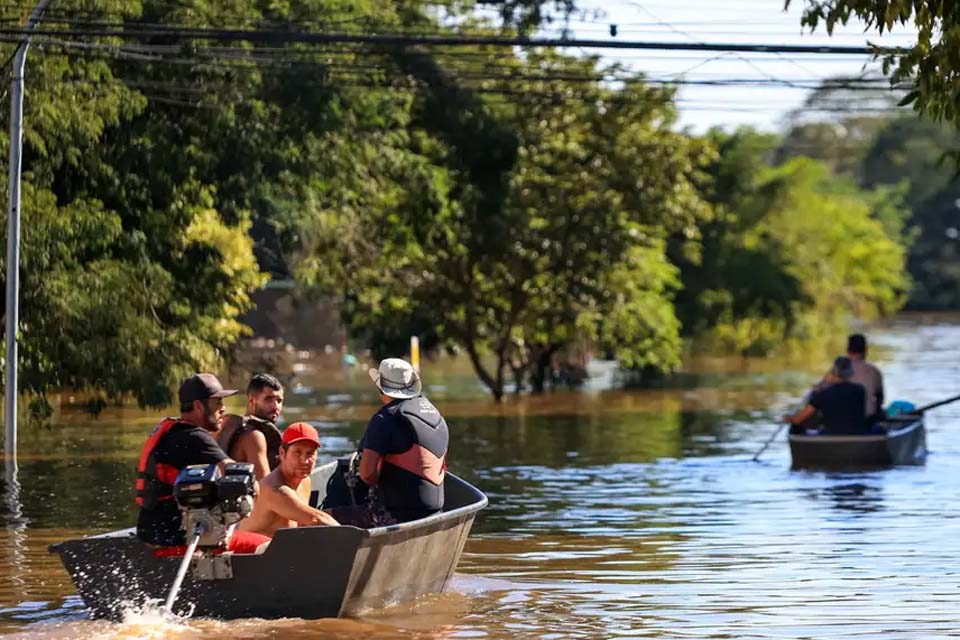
<point x="445" y="40"/>
<point x="295" y="62"/>
<point x="281" y="59"/>
<point x="369" y="22"/>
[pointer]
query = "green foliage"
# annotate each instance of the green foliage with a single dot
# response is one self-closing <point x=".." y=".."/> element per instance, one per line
<point x="837" y="248"/>
<point x="131" y="279"/>
<point x="912" y="152"/>
<point x="536" y="224"/>
<point x="640" y="327"/>
<point x="792" y="249"/>
<point x="898" y="153"/>
<point x="931" y="66"/>
<point x="599" y="185"/>
<point x="517" y="216"/>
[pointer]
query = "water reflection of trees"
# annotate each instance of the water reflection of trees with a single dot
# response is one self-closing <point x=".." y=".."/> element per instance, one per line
<point x="586" y="440"/>
<point x="82" y="475"/>
<point x="560" y="441"/>
<point x="79" y="477"/>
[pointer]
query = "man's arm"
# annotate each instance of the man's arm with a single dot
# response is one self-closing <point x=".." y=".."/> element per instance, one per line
<point x="370" y="464"/>
<point x="285" y="502"/>
<point x="253" y="445"/>
<point x="801" y="416"/>
<point x="203" y="449"/>
<point x="828" y="379"/>
<point x="377" y="443"/>
<point x="879" y="392"/>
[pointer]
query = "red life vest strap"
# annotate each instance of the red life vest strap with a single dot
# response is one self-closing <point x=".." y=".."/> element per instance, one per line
<point x="161" y="476"/>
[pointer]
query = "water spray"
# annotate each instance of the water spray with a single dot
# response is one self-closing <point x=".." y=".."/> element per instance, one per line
<point x="184" y="565"/>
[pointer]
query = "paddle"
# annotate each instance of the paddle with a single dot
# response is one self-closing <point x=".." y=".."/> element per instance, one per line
<point x="766" y="444"/>
<point x="769" y="440"/>
<point x="932" y="405"/>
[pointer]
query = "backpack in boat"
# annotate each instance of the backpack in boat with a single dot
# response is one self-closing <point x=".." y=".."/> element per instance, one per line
<point x="340" y="493"/>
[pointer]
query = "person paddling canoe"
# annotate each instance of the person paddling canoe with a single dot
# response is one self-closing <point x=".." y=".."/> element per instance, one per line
<point x="842" y="404"/>
<point x="864" y="373"/>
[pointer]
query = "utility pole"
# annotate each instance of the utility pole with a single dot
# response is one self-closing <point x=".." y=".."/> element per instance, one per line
<point x="13" y="241"/>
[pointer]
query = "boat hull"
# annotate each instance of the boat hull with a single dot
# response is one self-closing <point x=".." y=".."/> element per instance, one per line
<point x="305" y="572"/>
<point x="904" y="443"/>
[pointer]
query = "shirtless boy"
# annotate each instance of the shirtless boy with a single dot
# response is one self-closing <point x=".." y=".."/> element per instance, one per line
<point x="285" y="491"/>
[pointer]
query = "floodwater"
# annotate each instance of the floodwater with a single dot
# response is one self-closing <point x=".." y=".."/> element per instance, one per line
<point x="628" y="514"/>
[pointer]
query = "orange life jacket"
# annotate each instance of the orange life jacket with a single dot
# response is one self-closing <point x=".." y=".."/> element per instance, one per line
<point x="155" y="480"/>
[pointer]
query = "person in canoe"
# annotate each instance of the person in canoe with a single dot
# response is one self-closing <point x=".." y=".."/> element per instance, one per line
<point x="404" y="448"/>
<point x="174" y="444"/>
<point x="285" y="492"/>
<point x="864" y="373"/>
<point x="841" y="404"/>
<point x="254" y="437"/>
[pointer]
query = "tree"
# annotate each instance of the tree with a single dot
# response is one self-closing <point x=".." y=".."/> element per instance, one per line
<point x="152" y="180"/>
<point x="153" y="176"/>
<point x="930" y="67"/>
<point x="124" y="290"/>
<point x="838" y="123"/>
<point x="737" y="291"/>
<point x="893" y="151"/>
<point x="599" y="186"/>
<point x="792" y="249"/>
<point x="540" y="220"/>
<point x="910" y="152"/>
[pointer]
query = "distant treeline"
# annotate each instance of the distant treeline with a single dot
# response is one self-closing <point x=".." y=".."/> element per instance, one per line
<point x="517" y="207"/>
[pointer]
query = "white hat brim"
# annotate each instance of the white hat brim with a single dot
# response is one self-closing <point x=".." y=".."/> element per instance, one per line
<point x="404" y="393"/>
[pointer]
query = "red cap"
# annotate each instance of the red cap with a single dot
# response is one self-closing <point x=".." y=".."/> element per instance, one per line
<point x="300" y="431"/>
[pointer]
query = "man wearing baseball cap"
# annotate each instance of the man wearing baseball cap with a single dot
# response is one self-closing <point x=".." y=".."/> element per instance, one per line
<point x="404" y="448"/>
<point x="284" y="499"/>
<point x="174" y="444"/>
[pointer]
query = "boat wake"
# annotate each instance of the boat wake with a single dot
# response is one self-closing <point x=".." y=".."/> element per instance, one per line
<point x="153" y="616"/>
<point x="148" y="621"/>
<point x="467" y="584"/>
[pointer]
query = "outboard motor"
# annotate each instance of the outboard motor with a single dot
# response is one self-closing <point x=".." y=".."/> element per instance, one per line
<point x="212" y="502"/>
<point x="211" y="505"/>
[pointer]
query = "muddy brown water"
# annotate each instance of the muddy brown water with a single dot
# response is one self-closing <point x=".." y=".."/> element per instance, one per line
<point x="613" y="513"/>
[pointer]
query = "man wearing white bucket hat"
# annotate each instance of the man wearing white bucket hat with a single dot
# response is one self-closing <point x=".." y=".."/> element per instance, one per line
<point x="404" y="448"/>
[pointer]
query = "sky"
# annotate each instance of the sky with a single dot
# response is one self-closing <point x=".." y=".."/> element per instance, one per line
<point x="725" y="21"/>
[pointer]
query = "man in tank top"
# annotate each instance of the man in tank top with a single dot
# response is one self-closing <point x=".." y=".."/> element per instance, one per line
<point x="254" y="437"/>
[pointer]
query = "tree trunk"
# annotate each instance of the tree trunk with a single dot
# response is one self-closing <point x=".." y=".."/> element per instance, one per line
<point x="495" y="385"/>
<point x="540" y="368"/>
<point x="538" y="377"/>
<point x="519" y="376"/>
